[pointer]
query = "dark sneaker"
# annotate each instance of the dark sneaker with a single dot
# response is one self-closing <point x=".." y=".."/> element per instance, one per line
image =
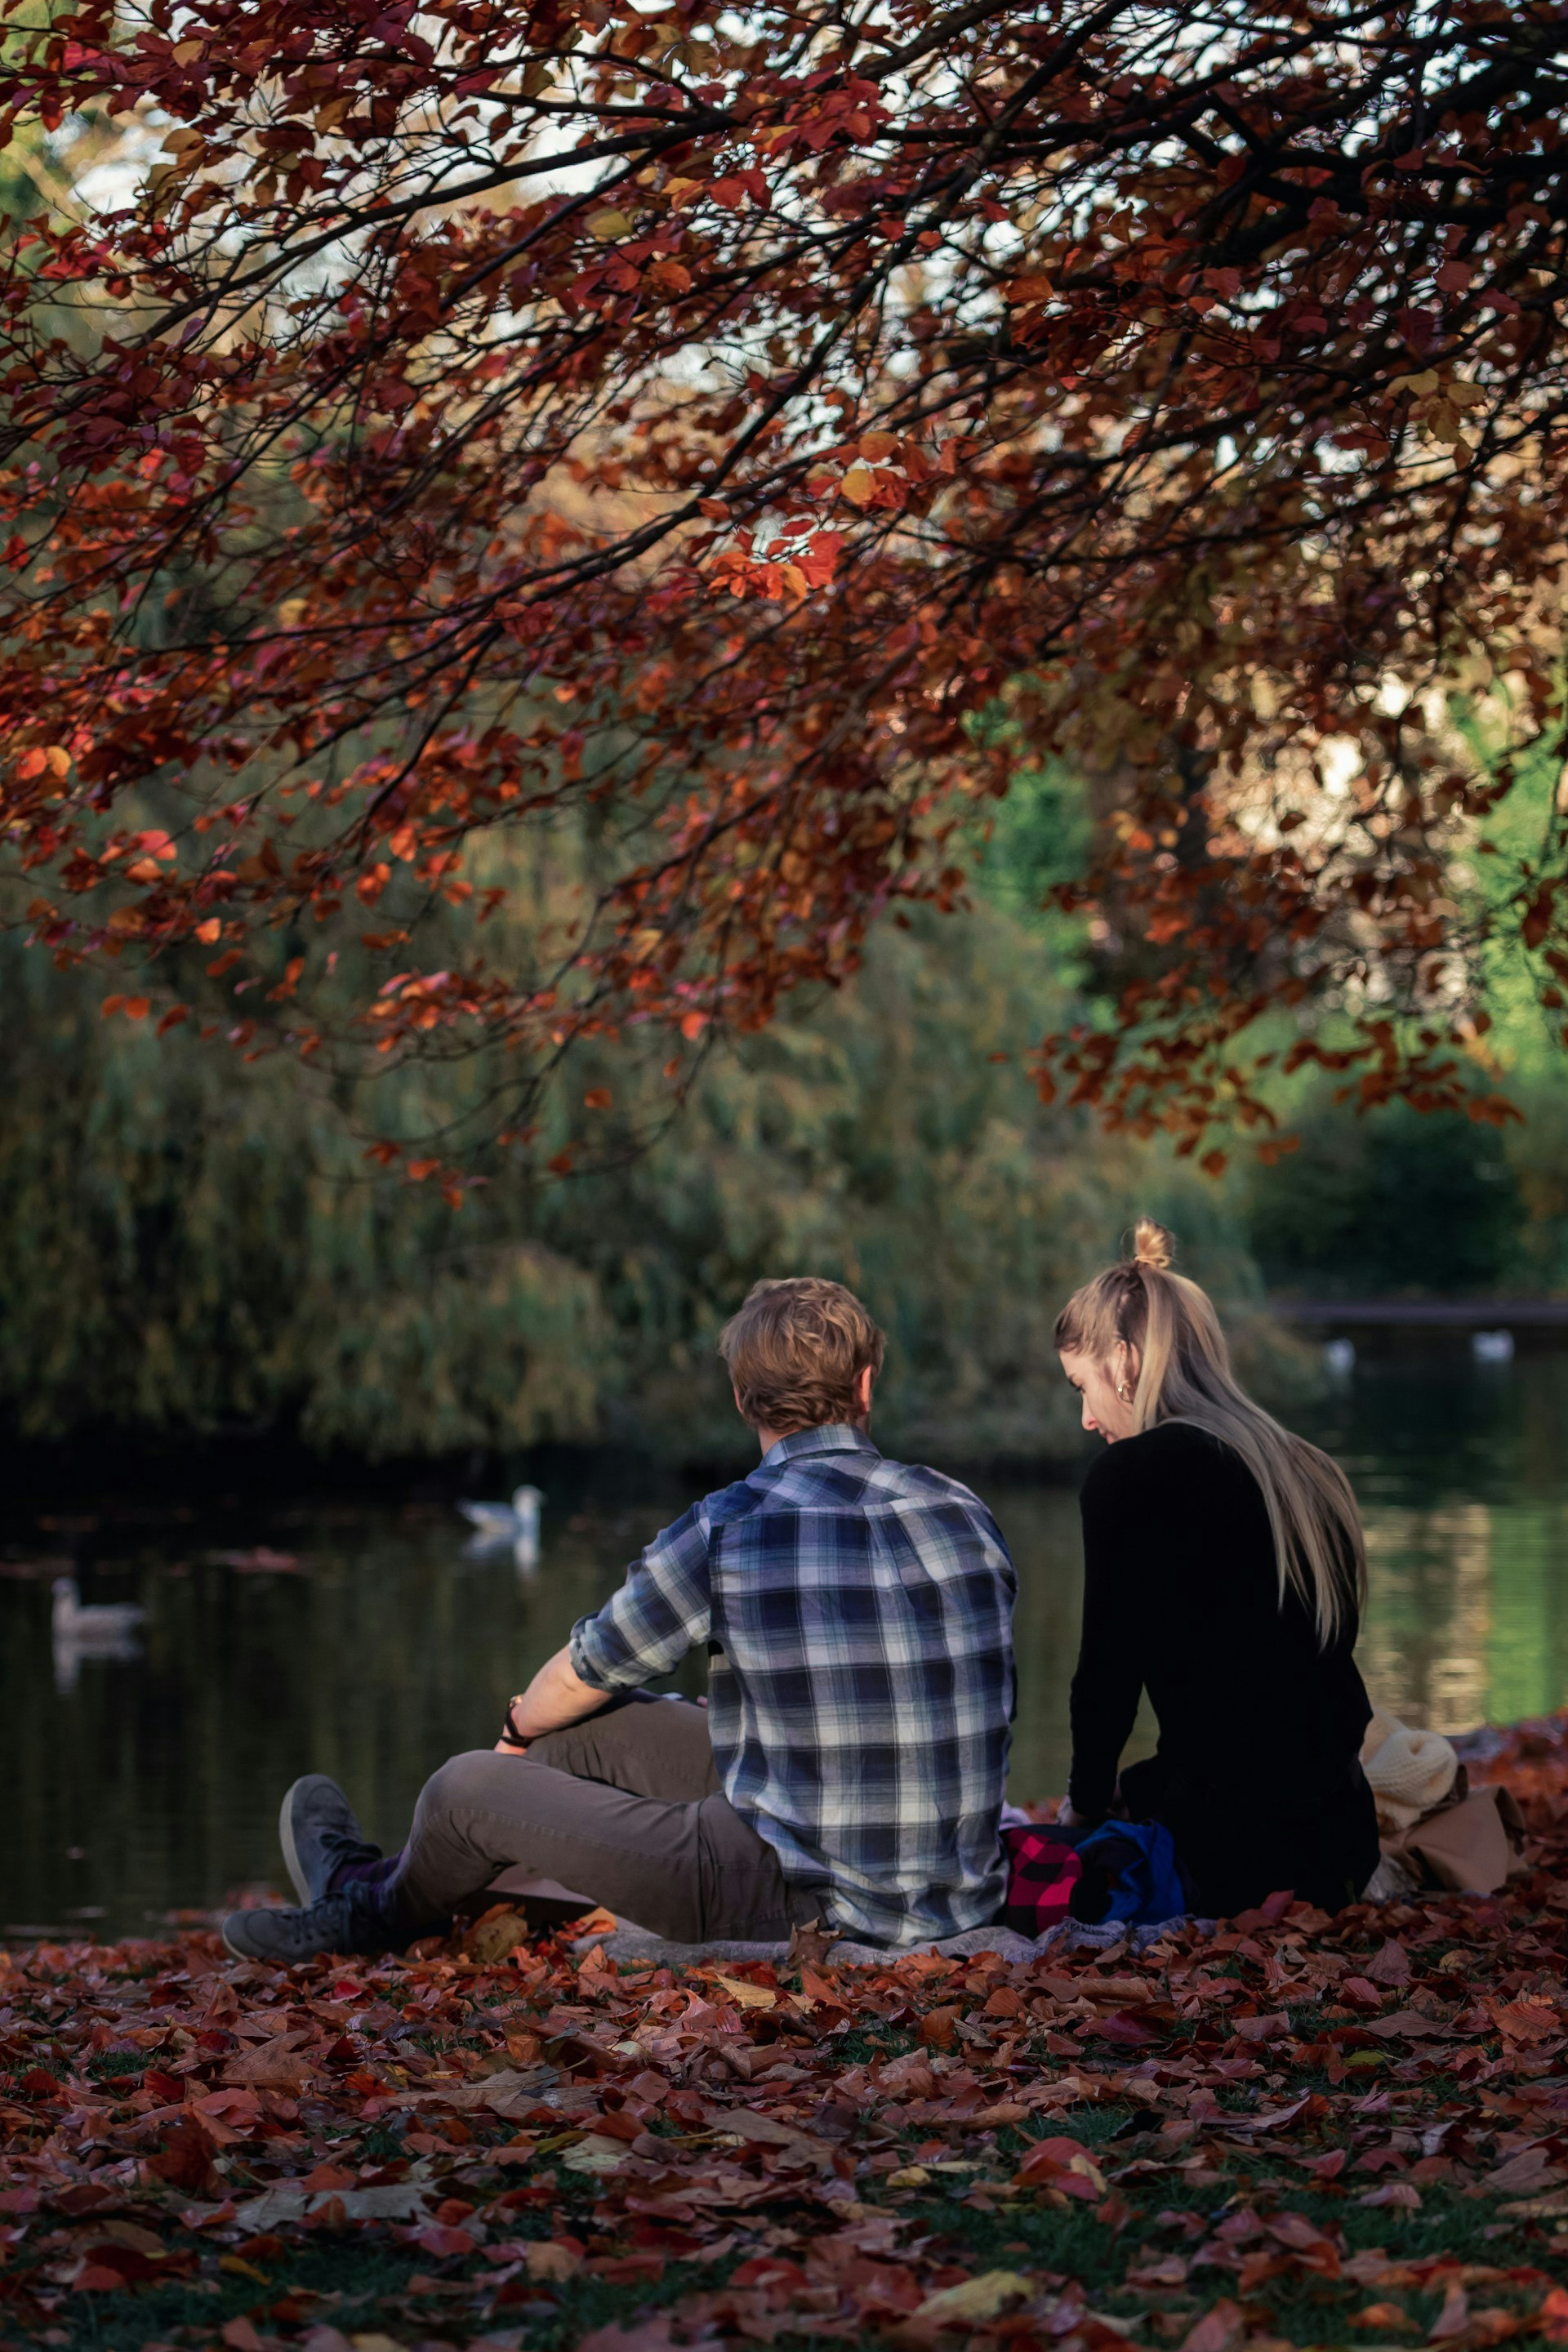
<point x="318" y="1835"/>
<point x="358" y="1920"/>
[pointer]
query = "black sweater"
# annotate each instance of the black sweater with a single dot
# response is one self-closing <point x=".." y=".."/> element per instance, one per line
<point x="1257" y="1773"/>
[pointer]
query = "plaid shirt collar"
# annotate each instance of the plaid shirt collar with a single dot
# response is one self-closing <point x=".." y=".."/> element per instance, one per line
<point x="830" y="1437"/>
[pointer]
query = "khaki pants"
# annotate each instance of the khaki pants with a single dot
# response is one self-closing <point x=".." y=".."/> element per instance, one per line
<point x="626" y="1808"/>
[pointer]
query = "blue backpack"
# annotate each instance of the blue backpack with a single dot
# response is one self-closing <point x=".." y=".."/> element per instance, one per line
<point x="1135" y="1864"/>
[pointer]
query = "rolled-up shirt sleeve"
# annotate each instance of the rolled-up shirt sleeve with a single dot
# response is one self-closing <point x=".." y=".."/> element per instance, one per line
<point x="663" y="1609"/>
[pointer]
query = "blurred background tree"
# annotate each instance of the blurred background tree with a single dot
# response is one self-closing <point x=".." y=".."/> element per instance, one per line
<point x="193" y="1244"/>
<point x="1391" y="1203"/>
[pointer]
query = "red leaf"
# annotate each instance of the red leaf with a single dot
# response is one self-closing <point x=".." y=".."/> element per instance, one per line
<point x="769" y="2270"/>
<point x="1391" y="1965"/>
<point x="1453" y="2317"/>
<point x="436" y="2239"/>
<point x="185" y="2160"/>
<point x="1217" y="2329"/>
<point x="1131" y="2027"/>
<point x="97" y="2279"/>
<point x="643" y="2335"/>
<point x="332" y="2176"/>
<point x="1062" y="2164"/>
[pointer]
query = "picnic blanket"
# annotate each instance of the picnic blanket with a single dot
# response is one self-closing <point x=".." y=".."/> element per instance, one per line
<point x="627" y="1943"/>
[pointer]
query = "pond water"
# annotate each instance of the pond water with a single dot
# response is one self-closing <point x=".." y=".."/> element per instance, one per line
<point x="369" y="1646"/>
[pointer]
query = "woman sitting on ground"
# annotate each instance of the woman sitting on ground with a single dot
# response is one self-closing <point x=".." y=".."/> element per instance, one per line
<point x="1224" y="1573"/>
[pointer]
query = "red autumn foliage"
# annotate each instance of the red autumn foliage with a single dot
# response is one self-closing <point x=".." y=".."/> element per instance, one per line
<point x="528" y="2132"/>
<point x="750" y="432"/>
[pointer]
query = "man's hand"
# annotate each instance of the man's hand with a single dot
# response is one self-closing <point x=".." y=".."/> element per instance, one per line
<point x="556" y="1696"/>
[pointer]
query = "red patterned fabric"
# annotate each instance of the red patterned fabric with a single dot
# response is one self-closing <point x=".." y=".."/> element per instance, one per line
<point x="1042" y="1870"/>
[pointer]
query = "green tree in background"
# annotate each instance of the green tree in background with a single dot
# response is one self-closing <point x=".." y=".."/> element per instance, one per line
<point x="192" y="1244"/>
<point x="1393" y="1203"/>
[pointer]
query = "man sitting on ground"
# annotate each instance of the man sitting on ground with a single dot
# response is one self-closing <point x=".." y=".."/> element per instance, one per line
<point x="849" y="1766"/>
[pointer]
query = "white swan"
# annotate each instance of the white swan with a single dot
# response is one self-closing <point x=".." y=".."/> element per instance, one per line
<point x="507" y="1526"/>
<point x="92" y="1629"/>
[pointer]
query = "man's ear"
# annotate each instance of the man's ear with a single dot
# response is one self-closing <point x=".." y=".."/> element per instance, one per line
<point x="865" y="1381"/>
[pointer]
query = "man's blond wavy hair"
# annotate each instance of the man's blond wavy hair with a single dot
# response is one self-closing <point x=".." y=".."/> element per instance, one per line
<point x="1185" y="1374"/>
<point x="795" y="1353"/>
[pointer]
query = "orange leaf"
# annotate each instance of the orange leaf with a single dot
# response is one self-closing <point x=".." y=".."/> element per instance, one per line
<point x="1553" y="2316"/>
<point x="938" y="2028"/>
<point x="1064" y="2164"/>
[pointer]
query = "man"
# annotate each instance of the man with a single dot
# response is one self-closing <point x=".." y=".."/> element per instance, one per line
<point x="849" y="1766"/>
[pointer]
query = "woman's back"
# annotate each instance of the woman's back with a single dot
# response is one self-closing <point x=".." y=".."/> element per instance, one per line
<point x="1223" y="1573"/>
<point x="1183" y="1597"/>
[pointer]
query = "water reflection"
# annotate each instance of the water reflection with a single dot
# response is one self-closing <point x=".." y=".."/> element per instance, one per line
<point x="1458" y="1461"/>
<point x="370" y="1646"/>
<point x="510" y="1528"/>
<point x="1423" y="1648"/>
<point x="154" y="1785"/>
<point x="78" y="1630"/>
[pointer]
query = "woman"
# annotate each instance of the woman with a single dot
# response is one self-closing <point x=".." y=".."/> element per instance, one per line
<point x="1224" y="1573"/>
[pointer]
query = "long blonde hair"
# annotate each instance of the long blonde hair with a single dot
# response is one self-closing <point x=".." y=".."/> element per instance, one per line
<point x="1185" y="1374"/>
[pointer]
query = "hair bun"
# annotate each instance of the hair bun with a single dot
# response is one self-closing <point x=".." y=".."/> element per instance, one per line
<point x="1152" y="1245"/>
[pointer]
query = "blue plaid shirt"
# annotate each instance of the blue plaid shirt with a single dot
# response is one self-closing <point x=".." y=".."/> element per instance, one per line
<point x="859" y="1614"/>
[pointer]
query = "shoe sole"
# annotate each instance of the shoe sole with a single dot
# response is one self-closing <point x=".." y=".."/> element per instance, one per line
<point x="234" y="1949"/>
<point x="286" y="1840"/>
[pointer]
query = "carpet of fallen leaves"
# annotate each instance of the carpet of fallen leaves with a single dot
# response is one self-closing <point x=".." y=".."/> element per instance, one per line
<point x="1295" y="2131"/>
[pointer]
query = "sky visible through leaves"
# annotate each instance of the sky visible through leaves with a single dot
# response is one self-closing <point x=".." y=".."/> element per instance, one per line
<point x="1296" y="2130"/>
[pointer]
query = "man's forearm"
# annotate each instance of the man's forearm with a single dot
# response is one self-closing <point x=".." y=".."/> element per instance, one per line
<point x="556" y="1696"/>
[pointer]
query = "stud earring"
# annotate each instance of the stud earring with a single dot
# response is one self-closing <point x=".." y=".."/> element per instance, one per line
<point x="1125" y="1393"/>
